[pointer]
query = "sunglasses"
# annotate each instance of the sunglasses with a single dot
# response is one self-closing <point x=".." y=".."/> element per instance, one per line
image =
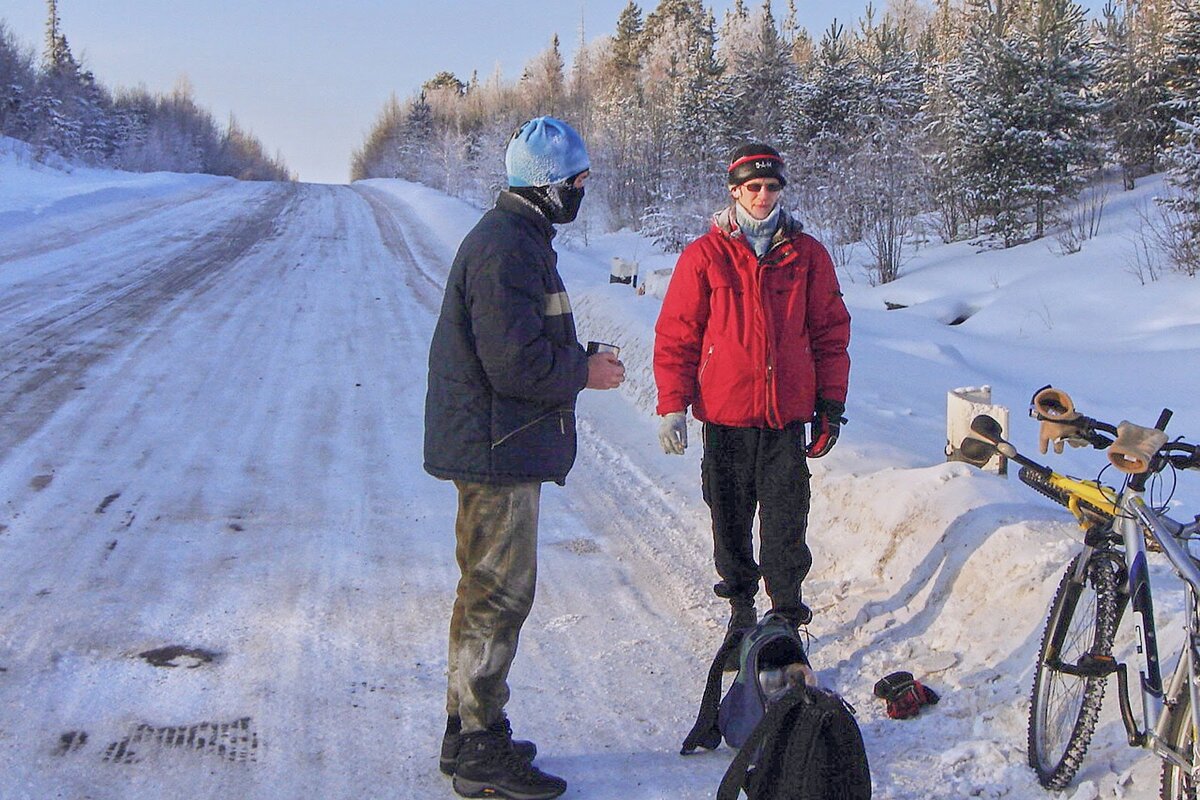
<point x="755" y="188"/>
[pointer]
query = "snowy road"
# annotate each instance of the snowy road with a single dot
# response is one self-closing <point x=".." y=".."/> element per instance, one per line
<point x="226" y="574"/>
<point x="223" y="572"/>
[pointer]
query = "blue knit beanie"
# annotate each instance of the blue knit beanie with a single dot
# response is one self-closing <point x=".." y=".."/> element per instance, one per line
<point x="544" y="151"/>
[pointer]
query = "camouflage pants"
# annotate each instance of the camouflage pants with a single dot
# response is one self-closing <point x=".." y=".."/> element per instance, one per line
<point x="496" y="532"/>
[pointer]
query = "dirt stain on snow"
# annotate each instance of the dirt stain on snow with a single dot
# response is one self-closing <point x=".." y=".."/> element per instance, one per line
<point x="106" y="502"/>
<point x="581" y="547"/>
<point x="179" y="656"/>
<point x="70" y="741"/>
<point x="230" y="741"/>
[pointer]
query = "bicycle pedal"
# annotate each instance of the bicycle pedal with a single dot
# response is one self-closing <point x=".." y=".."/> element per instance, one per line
<point x="1096" y="666"/>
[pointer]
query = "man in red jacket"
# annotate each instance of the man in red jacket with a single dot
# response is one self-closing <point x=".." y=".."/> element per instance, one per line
<point x="753" y="336"/>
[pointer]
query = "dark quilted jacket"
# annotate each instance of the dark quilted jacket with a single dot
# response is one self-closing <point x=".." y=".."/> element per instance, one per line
<point x="505" y="365"/>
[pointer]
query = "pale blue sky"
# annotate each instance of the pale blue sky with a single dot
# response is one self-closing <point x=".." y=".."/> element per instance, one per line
<point x="309" y="77"/>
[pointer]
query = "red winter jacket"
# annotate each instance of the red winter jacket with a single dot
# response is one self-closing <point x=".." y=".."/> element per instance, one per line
<point x="750" y="342"/>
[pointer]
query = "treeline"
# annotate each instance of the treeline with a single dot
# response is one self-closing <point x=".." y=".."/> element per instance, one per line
<point x="60" y="108"/>
<point x="974" y="118"/>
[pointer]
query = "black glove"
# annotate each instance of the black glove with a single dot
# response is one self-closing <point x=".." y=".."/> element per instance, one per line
<point x="904" y="695"/>
<point x="826" y="425"/>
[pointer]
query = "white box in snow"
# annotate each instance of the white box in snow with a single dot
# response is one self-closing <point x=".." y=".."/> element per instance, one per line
<point x="962" y="406"/>
<point x="623" y="271"/>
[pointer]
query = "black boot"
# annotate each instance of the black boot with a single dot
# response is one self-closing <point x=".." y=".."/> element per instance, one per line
<point x="741" y="613"/>
<point x="487" y="766"/>
<point x="742" y="616"/>
<point x="798" y="614"/>
<point x="452" y="740"/>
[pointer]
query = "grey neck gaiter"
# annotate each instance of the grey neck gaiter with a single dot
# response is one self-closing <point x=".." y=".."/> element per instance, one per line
<point x="758" y="232"/>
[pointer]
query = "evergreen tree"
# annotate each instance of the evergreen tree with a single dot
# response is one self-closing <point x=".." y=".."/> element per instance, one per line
<point x="828" y="104"/>
<point x="758" y="74"/>
<point x="941" y="47"/>
<point x="543" y="84"/>
<point x="695" y="145"/>
<point x="619" y="74"/>
<point x="1131" y="80"/>
<point x="1183" y="155"/>
<point x="679" y="66"/>
<point x="1022" y="111"/>
<point x="17" y="81"/>
<point x="887" y="185"/>
<point x="821" y="136"/>
<point x="1062" y="107"/>
<point x="56" y="56"/>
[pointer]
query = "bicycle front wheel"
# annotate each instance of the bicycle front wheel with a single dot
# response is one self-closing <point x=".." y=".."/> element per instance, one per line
<point x="1075" y="659"/>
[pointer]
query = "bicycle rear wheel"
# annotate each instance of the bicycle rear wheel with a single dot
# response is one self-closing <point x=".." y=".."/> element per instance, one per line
<point x="1177" y="784"/>
<point x="1074" y="660"/>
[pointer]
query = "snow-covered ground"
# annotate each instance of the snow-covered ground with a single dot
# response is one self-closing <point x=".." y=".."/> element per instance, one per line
<point x="226" y="575"/>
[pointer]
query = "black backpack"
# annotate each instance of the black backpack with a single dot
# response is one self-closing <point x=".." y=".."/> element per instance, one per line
<point x="801" y="745"/>
<point x="807" y="747"/>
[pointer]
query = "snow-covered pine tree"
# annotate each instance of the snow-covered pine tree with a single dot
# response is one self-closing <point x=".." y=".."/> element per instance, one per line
<point x="758" y="73"/>
<point x="887" y="168"/>
<point x="1183" y="153"/>
<point x="623" y="62"/>
<point x="679" y="69"/>
<point x="823" y="134"/>
<point x="1021" y="112"/>
<point x="942" y="43"/>
<point x="17" y="81"/>
<point x="56" y="55"/>
<point x="692" y="149"/>
<point x="543" y="84"/>
<point x="616" y="144"/>
<point x="1063" y="107"/>
<point x="1131" y="81"/>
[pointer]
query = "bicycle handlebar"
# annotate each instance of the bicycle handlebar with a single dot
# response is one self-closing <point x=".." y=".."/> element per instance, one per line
<point x="1181" y="455"/>
<point x="1054" y="405"/>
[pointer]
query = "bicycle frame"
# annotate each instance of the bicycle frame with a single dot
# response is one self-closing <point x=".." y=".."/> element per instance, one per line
<point x="1131" y="518"/>
<point x="1158" y="705"/>
<point x="1121" y="530"/>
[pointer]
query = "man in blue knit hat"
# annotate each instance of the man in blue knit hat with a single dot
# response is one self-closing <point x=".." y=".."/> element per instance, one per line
<point x="505" y="368"/>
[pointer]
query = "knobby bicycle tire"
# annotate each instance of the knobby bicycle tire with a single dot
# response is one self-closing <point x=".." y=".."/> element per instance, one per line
<point x="1072" y="665"/>
<point x="1177" y="784"/>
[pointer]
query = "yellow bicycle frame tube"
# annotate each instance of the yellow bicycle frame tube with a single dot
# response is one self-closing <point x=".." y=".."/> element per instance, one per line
<point x="1090" y="492"/>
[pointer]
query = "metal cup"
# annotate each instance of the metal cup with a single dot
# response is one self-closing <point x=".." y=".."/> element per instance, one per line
<point x="602" y="347"/>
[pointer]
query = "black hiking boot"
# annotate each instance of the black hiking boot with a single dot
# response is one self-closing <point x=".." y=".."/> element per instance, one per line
<point x="799" y="615"/>
<point x="452" y="740"/>
<point x="742" y="616"/>
<point x="488" y="766"/>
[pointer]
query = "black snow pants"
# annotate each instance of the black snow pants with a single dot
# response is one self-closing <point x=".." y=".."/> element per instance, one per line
<point x="763" y="469"/>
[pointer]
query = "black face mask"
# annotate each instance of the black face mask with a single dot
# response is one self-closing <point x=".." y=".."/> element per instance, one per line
<point x="565" y="200"/>
<point x="559" y="202"/>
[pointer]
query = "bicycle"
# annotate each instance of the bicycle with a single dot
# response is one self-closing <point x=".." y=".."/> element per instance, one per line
<point x="1110" y="574"/>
